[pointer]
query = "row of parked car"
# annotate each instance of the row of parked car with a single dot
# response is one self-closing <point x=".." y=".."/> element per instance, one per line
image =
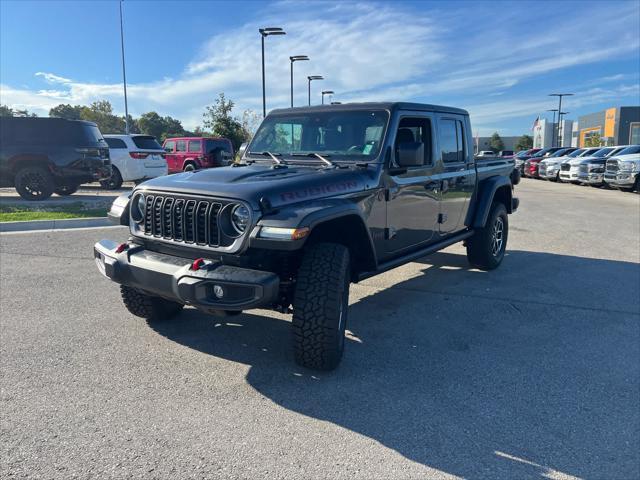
<point x="615" y="166"/>
<point x="42" y="156"/>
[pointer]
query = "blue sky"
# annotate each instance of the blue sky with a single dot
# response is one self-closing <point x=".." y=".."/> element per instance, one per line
<point x="499" y="60"/>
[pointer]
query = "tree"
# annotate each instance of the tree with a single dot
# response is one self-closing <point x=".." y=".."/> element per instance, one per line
<point x="250" y="122"/>
<point x="218" y="119"/>
<point x="152" y="123"/>
<point x="525" y="142"/>
<point x="23" y="113"/>
<point x="5" y="111"/>
<point x="593" y="140"/>
<point x="101" y="112"/>
<point x="66" y="111"/>
<point x="496" y="144"/>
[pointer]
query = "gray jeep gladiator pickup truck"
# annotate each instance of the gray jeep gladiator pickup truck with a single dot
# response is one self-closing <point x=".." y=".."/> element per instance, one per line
<point x="322" y="197"/>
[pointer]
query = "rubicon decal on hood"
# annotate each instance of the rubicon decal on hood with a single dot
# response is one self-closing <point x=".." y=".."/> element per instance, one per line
<point x="318" y="191"/>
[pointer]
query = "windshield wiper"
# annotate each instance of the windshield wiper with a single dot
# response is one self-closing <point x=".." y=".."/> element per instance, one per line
<point x="325" y="160"/>
<point x="273" y="156"/>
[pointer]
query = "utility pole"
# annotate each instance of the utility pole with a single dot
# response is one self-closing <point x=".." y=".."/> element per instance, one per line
<point x="124" y="75"/>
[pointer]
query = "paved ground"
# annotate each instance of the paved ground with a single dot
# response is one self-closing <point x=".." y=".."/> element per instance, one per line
<point x="529" y="371"/>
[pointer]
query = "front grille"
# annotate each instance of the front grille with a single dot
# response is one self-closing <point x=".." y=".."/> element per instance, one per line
<point x="612" y="166"/>
<point x="182" y="220"/>
<point x="565" y="167"/>
<point x="583" y="168"/>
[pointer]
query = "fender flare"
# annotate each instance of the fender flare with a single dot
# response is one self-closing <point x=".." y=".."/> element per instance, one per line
<point x="486" y="194"/>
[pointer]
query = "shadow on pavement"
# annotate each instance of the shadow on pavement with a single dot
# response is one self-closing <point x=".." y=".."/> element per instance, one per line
<point x="465" y="382"/>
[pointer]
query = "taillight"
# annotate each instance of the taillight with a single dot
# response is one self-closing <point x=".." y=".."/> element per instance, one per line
<point x="138" y="155"/>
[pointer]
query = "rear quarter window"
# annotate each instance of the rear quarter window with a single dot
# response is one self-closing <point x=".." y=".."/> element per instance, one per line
<point x="194" y="146"/>
<point x="146" y="143"/>
<point x="115" y="143"/>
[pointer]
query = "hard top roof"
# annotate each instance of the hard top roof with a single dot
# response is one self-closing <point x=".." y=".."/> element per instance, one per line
<point x="391" y="106"/>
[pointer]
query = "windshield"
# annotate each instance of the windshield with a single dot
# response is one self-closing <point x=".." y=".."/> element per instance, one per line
<point x="541" y="153"/>
<point x="576" y="153"/>
<point x="630" y="150"/>
<point x="342" y="135"/>
<point x="560" y="153"/>
<point x="602" y="152"/>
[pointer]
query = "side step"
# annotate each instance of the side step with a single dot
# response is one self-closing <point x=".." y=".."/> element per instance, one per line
<point x="396" y="262"/>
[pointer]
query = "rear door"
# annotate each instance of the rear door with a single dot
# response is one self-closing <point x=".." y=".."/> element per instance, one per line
<point x="180" y="155"/>
<point x="169" y="148"/>
<point x="412" y="193"/>
<point x="458" y="171"/>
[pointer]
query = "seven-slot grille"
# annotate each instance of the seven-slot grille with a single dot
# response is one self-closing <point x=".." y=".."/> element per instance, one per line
<point x="182" y="220"/>
<point x="612" y="166"/>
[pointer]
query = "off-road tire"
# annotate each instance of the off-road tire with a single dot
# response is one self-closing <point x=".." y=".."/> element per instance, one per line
<point x="64" y="190"/>
<point x="113" y="182"/>
<point x="148" y="307"/>
<point x="189" y="167"/>
<point x="320" y="306"/>
<point x="34" y="183"/>
<point x="483" y="251"/>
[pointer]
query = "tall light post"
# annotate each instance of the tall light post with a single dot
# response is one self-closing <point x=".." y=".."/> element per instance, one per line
<point x="561" y="135"/>
<point x="124" y="75"/>
<point x="560" y="95"/>
<point x="326" y="92"/>
<point x="265" y="32"/>
<point x="309" y="80"/>
<point x="293" y="59"/>
<point x="553" y="137"/>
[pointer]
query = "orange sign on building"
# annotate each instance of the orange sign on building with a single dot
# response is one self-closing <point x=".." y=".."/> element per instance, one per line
<point x="610" y="122"/>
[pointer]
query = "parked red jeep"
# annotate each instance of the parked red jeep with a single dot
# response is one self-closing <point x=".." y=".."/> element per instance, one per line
<point x="192" y="153"/>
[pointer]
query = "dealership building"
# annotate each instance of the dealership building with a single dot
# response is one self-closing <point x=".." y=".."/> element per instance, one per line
<point x="615" y="126"/>
<point x="544" y="131"/>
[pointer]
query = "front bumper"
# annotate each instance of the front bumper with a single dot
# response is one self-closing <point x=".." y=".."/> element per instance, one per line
<point x="172" y="278"/>
<point x="569" y="175"/>
<point x="549" y="173"/>
<point x="621" y="179"/>
<point x="591" y="178"/>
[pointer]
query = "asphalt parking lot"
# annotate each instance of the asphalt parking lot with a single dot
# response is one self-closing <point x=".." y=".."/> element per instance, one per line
<point x="529" y="371"/>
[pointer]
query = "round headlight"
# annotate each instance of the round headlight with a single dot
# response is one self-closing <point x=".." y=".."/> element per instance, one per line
<point x="240" y="218"/>
<point x="137" y="208"/>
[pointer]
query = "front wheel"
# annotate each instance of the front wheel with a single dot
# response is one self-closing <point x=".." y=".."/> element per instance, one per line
<point x="148" y="307"/>
<point x="320" y="306"/>
<point x="485" y="249"/>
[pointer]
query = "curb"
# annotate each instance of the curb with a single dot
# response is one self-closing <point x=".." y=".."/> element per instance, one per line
<point x="54" y="224"/>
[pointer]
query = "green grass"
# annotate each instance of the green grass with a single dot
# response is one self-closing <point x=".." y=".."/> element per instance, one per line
<point x="73" y="210"/>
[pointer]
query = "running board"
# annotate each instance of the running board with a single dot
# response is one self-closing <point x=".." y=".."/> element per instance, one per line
<point x="396" y="262"/>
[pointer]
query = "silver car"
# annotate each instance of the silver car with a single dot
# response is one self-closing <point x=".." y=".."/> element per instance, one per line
<point x="549" y="168"/>
<point x="623" y="169"/>
<point x="569" y="168"/>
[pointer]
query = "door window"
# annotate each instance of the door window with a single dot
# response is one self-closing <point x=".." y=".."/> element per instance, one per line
<point x="181" y="146"/>
<point x="194" y="146"/>
<point x="415" y="130"/>
<point x="169" y="146"/>
<point x="451" y="141"/>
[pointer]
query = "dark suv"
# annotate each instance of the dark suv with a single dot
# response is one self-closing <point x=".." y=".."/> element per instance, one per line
<point x="40" y="156"/>
<point x="356" y="190"/>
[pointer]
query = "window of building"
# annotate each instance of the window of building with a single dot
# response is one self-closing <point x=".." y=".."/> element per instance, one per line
<point x="634" y="133"/>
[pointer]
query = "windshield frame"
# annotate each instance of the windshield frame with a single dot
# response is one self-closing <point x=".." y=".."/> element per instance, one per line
<point x="294" y="157"/>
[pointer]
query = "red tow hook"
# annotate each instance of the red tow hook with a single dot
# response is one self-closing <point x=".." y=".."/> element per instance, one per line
<point x="197" y="264"/>
<point x="122" y="247"/>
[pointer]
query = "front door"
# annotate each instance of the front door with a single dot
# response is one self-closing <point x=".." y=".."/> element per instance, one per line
<point x="412" y="193"/>
<point x="458" y="172"/>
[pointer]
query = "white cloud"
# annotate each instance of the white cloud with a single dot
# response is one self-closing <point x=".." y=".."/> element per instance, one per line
<point x="369" y="51"/>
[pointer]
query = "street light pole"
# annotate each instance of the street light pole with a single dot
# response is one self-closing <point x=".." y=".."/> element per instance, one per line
<point x="124" y="75"/>
<point x="553" y="123"/>
<point x="561" y="135"/>
<point x="293" y="59"/>
<point x="560" y="95"/>
<point x="265" y="32"/>
<point x="310" y="79"/>
<point x="326" y="92"/>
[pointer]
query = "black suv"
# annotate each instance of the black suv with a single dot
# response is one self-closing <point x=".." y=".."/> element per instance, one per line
<point x="40" y="156"/>
<point x="324" y="196"/>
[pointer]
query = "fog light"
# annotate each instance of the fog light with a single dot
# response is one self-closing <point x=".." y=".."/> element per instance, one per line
<point x="218" y="291"/>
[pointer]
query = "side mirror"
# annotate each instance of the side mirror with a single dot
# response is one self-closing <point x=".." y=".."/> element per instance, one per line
<point x="410" y="154"/>
<point x="242" y="149"/>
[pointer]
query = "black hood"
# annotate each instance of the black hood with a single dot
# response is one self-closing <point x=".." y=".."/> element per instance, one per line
<point x="281" y="186"/>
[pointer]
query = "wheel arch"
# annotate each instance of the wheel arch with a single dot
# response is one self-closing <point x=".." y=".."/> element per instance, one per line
<point x="492" y="189"/>
<point x="19" y="162"/>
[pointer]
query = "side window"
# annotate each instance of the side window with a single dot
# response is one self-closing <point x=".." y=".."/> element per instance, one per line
<point x="169" y="146"/>
<point x="181" y="146"/>
<point x="451" y="141"/>
<point x="415" y="130"/>
<point x="115" y="143"/>
<point x="194" y="146"/>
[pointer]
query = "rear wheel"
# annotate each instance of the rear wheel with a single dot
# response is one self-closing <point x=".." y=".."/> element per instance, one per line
<point x="485" y="249"/>
<point x="189" y="167"/>
<point x="147" y="306"/>
<point x="34" y="183"/>
<point x="114" y="181"/>
<point x="320" y="306"/>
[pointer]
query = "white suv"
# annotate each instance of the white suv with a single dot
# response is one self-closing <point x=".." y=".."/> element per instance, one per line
<point x="570" y="168"/>
<point x="134" y="158"/>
